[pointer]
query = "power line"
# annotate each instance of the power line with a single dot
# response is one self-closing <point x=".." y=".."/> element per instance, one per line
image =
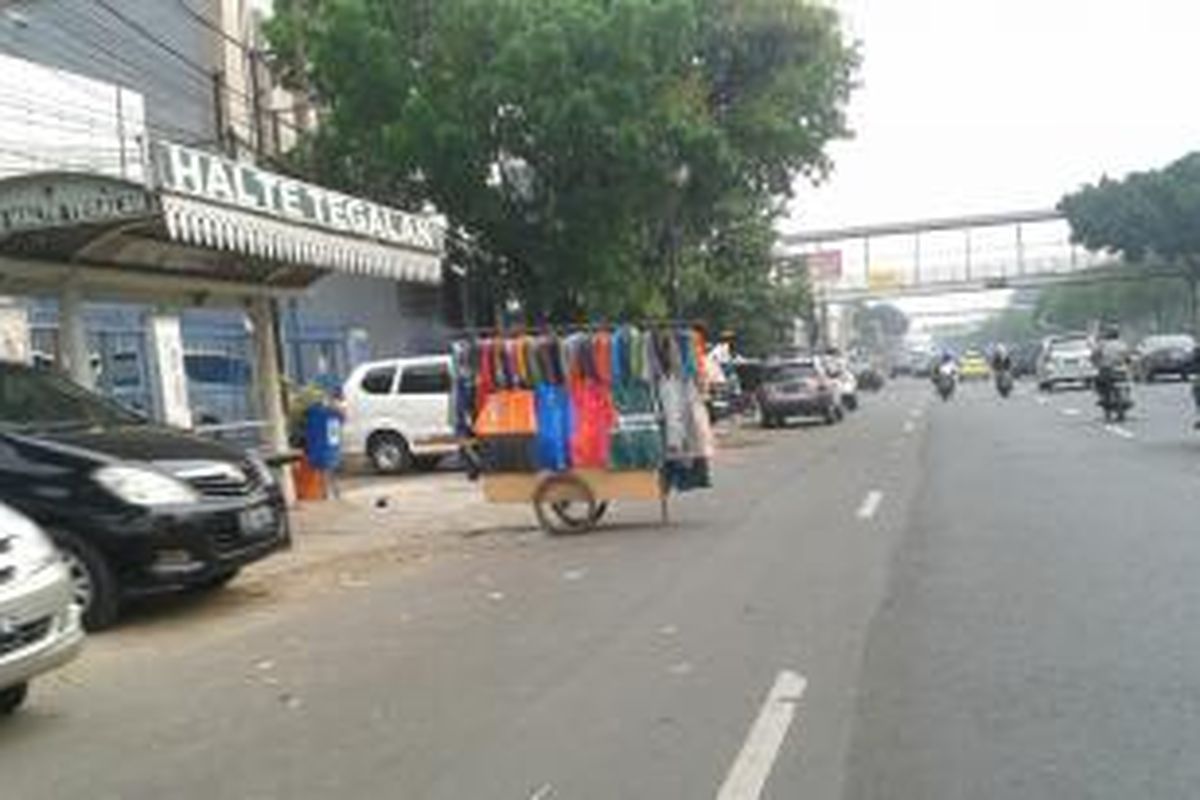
<point x="217" y="29"/>
<point x="84" y="54"/>
<point x="141" y="30"/>
<point x="149" y="36"/>
<point x="67" y="118"/>
<point x="106" y="40"/>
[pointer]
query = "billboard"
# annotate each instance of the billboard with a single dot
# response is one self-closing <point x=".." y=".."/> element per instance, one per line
<point x="823" y="265"/>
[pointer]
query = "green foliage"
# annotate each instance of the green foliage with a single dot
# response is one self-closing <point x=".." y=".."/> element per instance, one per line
<point x="879" y="324"/>
<point x="1148" y="214"/>
<point x="1140" y="302"/>
<point x="553" y="134"/>
<point x="730" y="284"/>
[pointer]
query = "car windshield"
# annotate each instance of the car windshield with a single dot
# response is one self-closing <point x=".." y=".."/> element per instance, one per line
<point x="1071" y="347"/>
<point x="1169" y="343"/>
<point x="41" y="399"/>
<point x="791" y="372"/>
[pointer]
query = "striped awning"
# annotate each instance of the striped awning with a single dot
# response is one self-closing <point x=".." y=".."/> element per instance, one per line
<point x="219" y="227"/>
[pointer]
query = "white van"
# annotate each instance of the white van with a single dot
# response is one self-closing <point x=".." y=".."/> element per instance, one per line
<point x="398" y="413"/>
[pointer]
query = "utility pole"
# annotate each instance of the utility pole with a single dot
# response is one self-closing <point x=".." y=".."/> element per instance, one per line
<point x="218" y="90"/>
<point x="252" y="56"/>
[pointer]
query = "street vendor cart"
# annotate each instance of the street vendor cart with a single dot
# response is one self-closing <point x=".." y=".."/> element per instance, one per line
<point x="570" y="421"/>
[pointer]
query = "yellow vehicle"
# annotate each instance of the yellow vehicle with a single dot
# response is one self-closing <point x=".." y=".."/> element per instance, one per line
<point x="973" y="366"/>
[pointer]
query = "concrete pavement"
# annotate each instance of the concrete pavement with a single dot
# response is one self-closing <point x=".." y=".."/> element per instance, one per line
<point x="1041" y="636"/>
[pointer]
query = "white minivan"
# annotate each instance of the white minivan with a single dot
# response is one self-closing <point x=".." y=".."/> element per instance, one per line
<point x="398" y="413"/>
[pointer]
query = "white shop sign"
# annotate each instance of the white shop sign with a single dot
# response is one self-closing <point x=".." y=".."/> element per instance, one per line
<point x="187" y="171"/>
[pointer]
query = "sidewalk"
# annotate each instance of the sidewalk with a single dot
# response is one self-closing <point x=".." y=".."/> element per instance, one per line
<point x="400" y="518"/>
<point x="413" y="517"/>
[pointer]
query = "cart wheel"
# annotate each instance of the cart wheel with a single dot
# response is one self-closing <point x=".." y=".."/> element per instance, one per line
<point x="565" y="504"/>
<point x="571" y="513"/>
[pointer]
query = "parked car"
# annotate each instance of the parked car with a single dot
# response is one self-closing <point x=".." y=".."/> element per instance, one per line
<point x="39" y="622"/>
<point x="1065" y="359"/>
<point x="798" y="388"/>
<point x="398" y="413"/>
<point x="136" y="508"/>
<point x="838" y="371"/>
<point x="1156" y="356"/>
<point x="973" y="365"/>
<point x="1025" y="359"/>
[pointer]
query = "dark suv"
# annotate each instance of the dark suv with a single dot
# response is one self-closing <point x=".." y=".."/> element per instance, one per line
<point x="135" y="507"/>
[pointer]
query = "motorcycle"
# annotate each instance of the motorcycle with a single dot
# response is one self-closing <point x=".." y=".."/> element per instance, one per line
<point x="1114" y="395"/>
<point x="1004" y="382"/>
<point x="945" y="382"/>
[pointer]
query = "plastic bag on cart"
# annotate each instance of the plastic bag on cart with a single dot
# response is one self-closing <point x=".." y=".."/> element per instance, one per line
<point x="511" y="412"/>
<point x="636" y="442"/>
<point x="554" y="427"/>
<point x="592" y="414"/>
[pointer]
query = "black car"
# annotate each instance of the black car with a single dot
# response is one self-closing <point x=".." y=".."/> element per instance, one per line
<point x="798" y="388"/>
<point x="1164" y="355"/>
<point x="136" y="508"/>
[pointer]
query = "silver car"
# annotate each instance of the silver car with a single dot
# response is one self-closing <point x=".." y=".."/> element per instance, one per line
<point x="1065" y="359"/>
<point x="39" y="623"/>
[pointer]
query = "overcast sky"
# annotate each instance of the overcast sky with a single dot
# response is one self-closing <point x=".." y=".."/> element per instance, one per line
<point x="995" y="105"/>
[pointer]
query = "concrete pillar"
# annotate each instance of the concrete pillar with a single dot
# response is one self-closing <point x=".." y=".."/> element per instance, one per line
<point x="164" y="337"/>
<point x="270" y="385"/>
<point x="14" y="331"/>
<point x="74" y="355"/>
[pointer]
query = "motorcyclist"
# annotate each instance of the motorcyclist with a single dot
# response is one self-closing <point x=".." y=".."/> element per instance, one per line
<point x="945" y="369"/>
<point x="1001" y="359"/>
<point x="1110" y="356"/>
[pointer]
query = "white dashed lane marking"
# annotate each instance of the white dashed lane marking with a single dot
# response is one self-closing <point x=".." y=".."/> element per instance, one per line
<point x="1117" y="430"/>
<point x="748" y="775"/>
<point x="870" y="504"/>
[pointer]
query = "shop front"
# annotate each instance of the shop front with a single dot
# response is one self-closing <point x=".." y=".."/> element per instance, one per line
<point x="166" y="293"/>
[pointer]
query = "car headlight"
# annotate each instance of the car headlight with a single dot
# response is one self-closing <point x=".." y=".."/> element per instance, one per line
<point x="265" y="476"/>
<point x="143" y="487"/>
<point x="28" y="548"/>
<point x="36" y="551"/>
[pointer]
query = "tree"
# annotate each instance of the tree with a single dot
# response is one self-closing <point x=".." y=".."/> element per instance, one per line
<point x="878" y="324"/>
<point x="1149" y="218"/>
<point x="733" y="284"/>
<point x="582" y="147"/>
<point x="1136" y="299"/>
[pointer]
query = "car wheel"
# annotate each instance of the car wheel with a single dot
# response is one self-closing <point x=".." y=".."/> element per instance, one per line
<point x="93" y="585"/>
<point x="389" y="453"/>
<point x="851" y="402"/>
<point x="831" y="416"/>
<point x="12" y="697"/>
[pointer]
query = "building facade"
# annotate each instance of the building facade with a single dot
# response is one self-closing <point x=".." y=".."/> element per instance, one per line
<point x="190" y="72"/>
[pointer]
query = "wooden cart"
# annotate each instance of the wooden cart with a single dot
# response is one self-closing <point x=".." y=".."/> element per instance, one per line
<point x="574" y="501"/>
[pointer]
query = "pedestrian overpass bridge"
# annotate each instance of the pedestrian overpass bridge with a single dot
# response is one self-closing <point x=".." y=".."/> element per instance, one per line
<point x="982" y="252"/>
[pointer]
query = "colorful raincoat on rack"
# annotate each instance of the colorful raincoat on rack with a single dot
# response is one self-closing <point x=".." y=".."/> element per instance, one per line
<point x="619" y="398"/>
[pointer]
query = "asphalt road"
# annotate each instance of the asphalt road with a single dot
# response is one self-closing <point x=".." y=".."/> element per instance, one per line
<point x="982" y="598"/>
